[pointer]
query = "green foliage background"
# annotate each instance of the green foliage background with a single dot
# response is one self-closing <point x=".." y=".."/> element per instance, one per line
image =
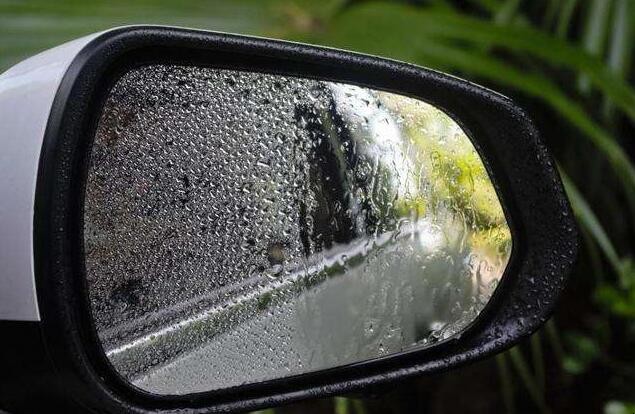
<point x="568" y="62"/>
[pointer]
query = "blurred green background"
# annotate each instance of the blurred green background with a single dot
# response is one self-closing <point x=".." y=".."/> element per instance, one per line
<point x="568" y="62"/>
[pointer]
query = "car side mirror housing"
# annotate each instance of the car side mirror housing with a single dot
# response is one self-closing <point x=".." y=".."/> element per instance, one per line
<point x="201" y="221"/>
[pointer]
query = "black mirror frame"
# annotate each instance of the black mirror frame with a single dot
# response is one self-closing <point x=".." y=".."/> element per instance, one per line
<point x="543" y="229"/>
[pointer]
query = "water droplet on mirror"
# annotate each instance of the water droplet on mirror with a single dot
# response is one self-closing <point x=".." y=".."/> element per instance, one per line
<point x="279" y="226"/>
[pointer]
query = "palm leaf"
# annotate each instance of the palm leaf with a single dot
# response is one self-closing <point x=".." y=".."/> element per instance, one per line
<point x="407" y="25"/>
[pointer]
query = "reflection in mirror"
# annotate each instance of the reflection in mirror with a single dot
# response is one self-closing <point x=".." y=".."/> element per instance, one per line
<point x="242" y="227"/>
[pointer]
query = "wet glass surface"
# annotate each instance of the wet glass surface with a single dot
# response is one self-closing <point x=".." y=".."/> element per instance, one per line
<point x="241" y="227"/>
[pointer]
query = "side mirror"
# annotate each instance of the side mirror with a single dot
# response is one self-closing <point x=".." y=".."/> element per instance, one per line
<point x="209" y="222"/>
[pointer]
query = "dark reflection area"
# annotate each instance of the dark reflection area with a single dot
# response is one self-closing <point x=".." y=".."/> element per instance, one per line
<point x="331" y="219"/>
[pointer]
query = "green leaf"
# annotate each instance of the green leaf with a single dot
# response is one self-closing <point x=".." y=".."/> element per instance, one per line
<point x="621" y="43"/>
<point x="522" y="368"/>
<point x="594" y="34"/>
<point x="28" y="27"/>
<point x="588" y="219"/>
<point x="551" y="11"/>
<point x="490" y="6"/>
<point x="620" y="300"/>
<point x="341" y="405"/>
<point x="360" y="27"/>
<point x="619" y="407"/>
<point x="507" y="12"/>
<point x="564" y="20"/>
<point x="537" y="360"/>
<point x="506" y="383"/>
<point x="583" y="352"/>
<point x="617" y="301"/>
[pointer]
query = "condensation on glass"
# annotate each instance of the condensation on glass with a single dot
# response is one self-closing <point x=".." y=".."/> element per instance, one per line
<point x="241" y="227"/>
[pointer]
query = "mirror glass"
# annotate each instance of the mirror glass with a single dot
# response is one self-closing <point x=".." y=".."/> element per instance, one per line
<point x="242" y="227"/>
